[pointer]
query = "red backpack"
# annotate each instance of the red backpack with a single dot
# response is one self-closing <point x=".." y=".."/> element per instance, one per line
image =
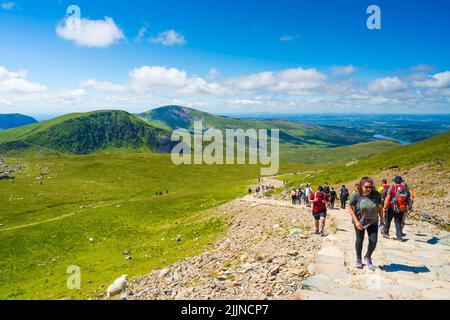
<point x="400" y="200"/>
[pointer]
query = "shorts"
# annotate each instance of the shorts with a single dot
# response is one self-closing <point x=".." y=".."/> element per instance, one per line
<point x="320" y="214"/>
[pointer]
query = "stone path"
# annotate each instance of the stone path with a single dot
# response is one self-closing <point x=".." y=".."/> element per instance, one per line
<point x="418" y="268"/>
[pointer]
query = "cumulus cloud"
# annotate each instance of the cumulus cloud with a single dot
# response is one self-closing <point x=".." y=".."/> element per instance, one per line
<point x="8" y="5"/>
<point x="388" y="84"/>
<point x="343" y="70"/>
<point x="102" y="85"/>
<point x="288" y="80"/>
<point x="16" y="82"/>
<point x="438" y="80"/>
<point x="147" y="78"/>
<point x="91" y="33"/>
<point x="169" y="38"/>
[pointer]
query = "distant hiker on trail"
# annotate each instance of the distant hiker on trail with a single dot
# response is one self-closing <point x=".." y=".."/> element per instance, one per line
<point x="384" y="185"/>
<point x="326" y="190"/>
<point x="319" y="210"/>
<point x="293" y="196"/>
<point x="383" y="191"/>
<point x="308" y="192"/>
<point x="365" y="208"/>
<point x="333" y="196"/>
<point x="355" y="190"/>
<point x="344" y="194"/>
<point x="410" y="205"/>
<point x="395" y="207"/>
<point x="249" y="190"/>
<point x="299" y="196"/>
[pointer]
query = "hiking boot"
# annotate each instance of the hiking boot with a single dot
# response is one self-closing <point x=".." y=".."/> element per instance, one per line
<point x="359" y="264"/>
<point x="400" y="239"/>
<point x="385" y="235"/>
<point x="370" y="265"/>
<point x="403" y="234"/>
<point x="317" y="232"/>
<point x="322" y="234"/>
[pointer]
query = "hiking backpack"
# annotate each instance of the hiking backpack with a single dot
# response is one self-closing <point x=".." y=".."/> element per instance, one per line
<point x="400" y="201"/>
<point x="384" y="193"/>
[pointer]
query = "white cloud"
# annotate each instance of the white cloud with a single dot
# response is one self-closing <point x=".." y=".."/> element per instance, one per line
<point x="422" y="68"/>
<point x="8" y="5"/>
<point x="15" y="82"/>
<point x="343" y="70"/>
<point x="5" y="102"/>
<point x="254" y="81"/>
<point x="102" y="85"/>
<point x="387" y="84"/>
<point x="287" y="38"/>
<point x="169" y="38"/>
<point x="91" y="33"/>
<point x="288" y="80"/>
<point x="147" y="78"/>
<point x="439" y="80"/>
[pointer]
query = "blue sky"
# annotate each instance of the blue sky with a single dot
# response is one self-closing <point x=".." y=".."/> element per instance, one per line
<point x="225" y="56"/>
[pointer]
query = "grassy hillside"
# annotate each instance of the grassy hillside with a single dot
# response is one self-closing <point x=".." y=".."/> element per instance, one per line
<point x="54" y="206"/>
<point x="85" y="133"/>
<point x="436" y="148"/>
<point x="8" y="121"/>
<point x="333" y="156"/>
<point x="173" y="117"/>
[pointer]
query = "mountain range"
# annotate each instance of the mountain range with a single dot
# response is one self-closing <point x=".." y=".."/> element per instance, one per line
<point x="84" y="133"/>
<point x="8" y="121"/>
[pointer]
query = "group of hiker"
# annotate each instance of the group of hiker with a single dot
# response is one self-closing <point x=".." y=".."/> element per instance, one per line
<point x="262" y="188"/>
<point x="371" y="209"/>
<point x="298" y="195"/>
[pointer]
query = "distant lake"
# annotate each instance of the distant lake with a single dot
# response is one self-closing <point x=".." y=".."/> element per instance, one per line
<point x="381" y="137"/>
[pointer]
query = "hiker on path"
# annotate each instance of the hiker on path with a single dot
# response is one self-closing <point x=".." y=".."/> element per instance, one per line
<point x="365" y="209"/>
<point x="308" y="192"/>
<point x="395" y="207"/>
<point x="319" y="200"/>
<point x="383" y="191"/>
<point x="355" y="189"/>
<point x="293" y="195"/>
<point x="410" y="206"/>
<point x="249" y="190"/>
<point x="343" y="196"/>
<point x="326" y="190"/>
<point x="333" y="196"/>
<point x="299" y="196"/>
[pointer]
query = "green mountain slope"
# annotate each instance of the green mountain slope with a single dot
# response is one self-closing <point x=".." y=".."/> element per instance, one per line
<point x="86" y="133"/>
<point x="8" y="121"/>
<point x="173" y="117"/>
<point x="404" y="157"/>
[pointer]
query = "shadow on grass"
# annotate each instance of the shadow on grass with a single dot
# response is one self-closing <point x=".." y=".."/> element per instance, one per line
<point x="395" y="267"/>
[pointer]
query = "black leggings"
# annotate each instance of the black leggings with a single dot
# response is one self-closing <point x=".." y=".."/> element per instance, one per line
<point x="372" y="231"/>
<point x="343" y="202"/>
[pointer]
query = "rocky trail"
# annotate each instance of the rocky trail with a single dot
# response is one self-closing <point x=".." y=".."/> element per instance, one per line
<point x="271" y="252"/>
<point x="418" y="268"/>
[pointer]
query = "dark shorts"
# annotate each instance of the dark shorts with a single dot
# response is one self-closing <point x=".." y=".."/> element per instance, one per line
<point x="320" y="214"/>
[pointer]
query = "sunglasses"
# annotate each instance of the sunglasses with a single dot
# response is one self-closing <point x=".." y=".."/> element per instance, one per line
<point x="368" y="187"/>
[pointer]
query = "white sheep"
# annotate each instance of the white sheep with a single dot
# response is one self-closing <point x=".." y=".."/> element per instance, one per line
<point x="118" y="285"/>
